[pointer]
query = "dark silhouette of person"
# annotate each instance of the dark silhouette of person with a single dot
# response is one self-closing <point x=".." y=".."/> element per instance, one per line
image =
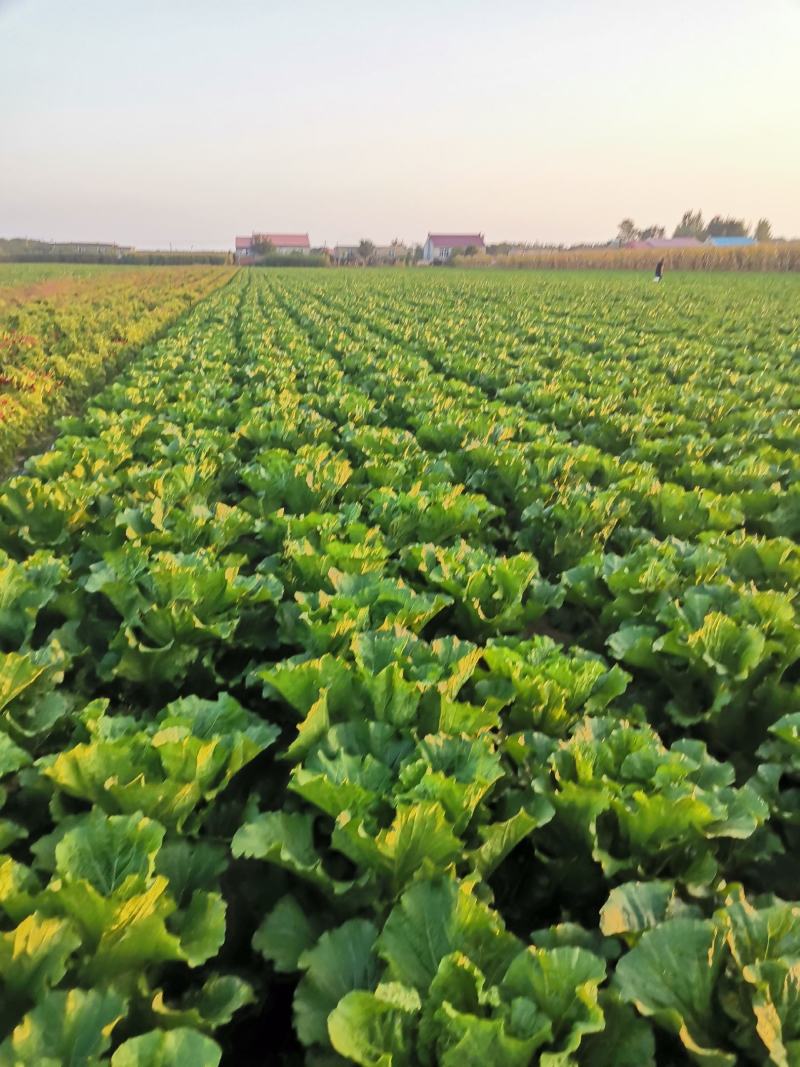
<point x="659" y="270"/>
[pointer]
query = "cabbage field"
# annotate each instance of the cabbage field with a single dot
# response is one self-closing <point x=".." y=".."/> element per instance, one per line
<point x="402" y="668"/>
<point x="61" y="338"/>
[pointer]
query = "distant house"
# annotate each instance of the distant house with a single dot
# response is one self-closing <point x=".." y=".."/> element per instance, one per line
<point x="244" y="249"/>
<point x="391" y="254"/>
<point x="286" y="243"/>
<point x="730" y="242"/>
<point x="666" y="243"/>
<point x="439" y="247"/>
<point x="282" y="243"/>
<point x="346" y="254"/>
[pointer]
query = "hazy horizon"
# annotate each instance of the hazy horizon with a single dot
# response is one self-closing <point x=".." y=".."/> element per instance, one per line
<point x="184" y="123"/>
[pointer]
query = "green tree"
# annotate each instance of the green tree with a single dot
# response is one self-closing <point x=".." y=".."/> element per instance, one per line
<point x="763" y="230"/>
<point x="652" y="231"/>
<point x="366" y="249"/>
<point x="691" y="225"/>
<point x="262" y="246"/>
<point x="727" y="227"/>
<point x="626" y="231"/>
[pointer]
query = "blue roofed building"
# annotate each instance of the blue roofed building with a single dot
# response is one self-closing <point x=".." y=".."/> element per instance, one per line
<point x="730" y="242"/>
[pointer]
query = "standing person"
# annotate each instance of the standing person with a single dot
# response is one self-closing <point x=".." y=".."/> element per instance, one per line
<point x="659" y="270"/>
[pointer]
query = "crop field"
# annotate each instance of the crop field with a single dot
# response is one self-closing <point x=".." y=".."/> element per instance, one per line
<point x="23" y="274"/>
<point x="402" y="668"/>
<point x="65" y="330"/>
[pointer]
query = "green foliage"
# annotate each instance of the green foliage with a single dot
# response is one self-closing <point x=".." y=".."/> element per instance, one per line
<point x="291" y="259"/>
<point x="763" y="230"/>
<point x="691" y="225"/>
<point x="70" y="1026"/>
<point x="405" y="667"/>
<point x="64" y="331"/>
<point x="727" y="227"/>
<point x="170" y="1048"/>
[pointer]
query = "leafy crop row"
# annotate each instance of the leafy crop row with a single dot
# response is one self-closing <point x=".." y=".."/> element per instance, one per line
<point x="372" y="691"/>
<point x="65" y="331"/>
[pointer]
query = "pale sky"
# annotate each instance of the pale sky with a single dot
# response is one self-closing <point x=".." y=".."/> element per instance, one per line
<point x="185" y="122"/>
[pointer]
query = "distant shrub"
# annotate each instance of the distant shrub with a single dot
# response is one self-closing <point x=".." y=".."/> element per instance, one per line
<point x="148" y="259"/>
<point x="292" y="259"/>
<point x="172" y="259"/>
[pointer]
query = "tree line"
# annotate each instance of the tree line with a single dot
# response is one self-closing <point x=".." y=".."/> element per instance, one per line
<point x="693" y="225"/>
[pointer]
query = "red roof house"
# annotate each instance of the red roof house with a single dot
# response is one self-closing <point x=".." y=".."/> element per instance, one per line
<point x="441" y="246"/>
<point x="286" y="242"/>
<point x="283" y="243"/>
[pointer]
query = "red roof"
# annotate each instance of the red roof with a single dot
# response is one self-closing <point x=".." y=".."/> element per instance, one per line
<point x="456" y="240"/>
<point x="243" y="243"/>
<point x="286" y="240"/>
